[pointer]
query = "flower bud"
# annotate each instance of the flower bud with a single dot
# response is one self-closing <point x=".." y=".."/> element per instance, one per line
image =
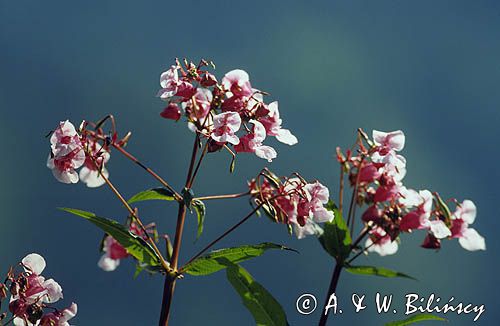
<point x="172" y="111"/>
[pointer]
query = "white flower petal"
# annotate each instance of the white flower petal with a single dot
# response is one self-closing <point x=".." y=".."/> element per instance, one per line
<point x="54" y="291"/>
<point x="439" y="229"/>
<point x="107" y="264"/>
<point x="266" y="152"/>
<point x="35" y="263"/>
<point x="286" y="137"/>
<point x="472" y="241"/>
<point x="388" y="248"/>
<point x="92" y="178"/>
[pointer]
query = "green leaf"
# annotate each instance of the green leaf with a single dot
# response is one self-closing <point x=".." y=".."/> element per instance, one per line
<point x="218" y="259"/>
<point x="135" y="246"/>
<point x="415" y="319"/>
<point x="336" y="239"/>
<point x="200" y="210"/>
<point x="262" y="305"/>
<point x="376" y="271"/>
<point x="152" y="194"/>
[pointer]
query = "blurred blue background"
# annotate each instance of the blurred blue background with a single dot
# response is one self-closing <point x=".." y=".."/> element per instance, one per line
<point x="429" y="68"/>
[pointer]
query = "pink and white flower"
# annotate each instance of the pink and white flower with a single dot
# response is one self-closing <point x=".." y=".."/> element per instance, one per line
<point x="391" y="164"/>
<point x="36" y="291"/>
<point x="310" y="228"/>
<point x="419" y="217"/>
<point x="303" y="205"/>
<point x="389" y="141"/>
<point x="225" y="127"/>
<point x="90" y="174"/>
<point x="272" y="123"/>
<point x="381" y="243"/>
<point x="48" y="291"/>
<point x="66" y="154"/>
<point x="319" y="196"/>
<point x="252" y="143"/>
<point x="59" y="318"/>
<point x="238" y="83"/>
<point x="64" y="139"/>
<point x="469" y="238"/>
<point x="169" y="81"/>
<point x="113" y="253"/>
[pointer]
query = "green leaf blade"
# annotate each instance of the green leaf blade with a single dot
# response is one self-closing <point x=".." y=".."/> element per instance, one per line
<point x="218" y="259"/>
<point x="135" y="245"/>
<point x="376" y="271"/>
<point x="152" y="194"/>
<point x="415" y="319"/>
<point x="336" y="239"/>
<point x="265" y="309"/>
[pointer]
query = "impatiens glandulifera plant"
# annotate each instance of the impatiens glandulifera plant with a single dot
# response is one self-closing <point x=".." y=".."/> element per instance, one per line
<point x="231" y="116"/>
<point x="374" y="170"/>
<point x="228" y="116"/>
<point x="32" y="296"/>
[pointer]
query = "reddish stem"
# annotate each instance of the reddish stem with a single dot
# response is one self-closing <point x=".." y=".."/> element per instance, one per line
<point x="170" y="279"/>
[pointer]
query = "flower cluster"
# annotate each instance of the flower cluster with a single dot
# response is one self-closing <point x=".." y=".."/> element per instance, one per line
<point x="114" y="252"/>
<point x="31" y="295"/>
<point x="376" y="174"/>
<point x="219" y="111"/>
<point x="292" y="201"/>
<point x="71" y="150"/>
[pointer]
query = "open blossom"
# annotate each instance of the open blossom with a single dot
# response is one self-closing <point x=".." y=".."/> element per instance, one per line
<point x="59" y="318"/>
<point x="201" y="107"/>
<point x="70" y="151"/>
<point x="169" y="81"/>
<point x="419" y="217"/>
<point x="389" y="141"/>
<point x="193" y="92"/>
<point x="272" y="123"/>
<point x="31" y="293"/>
<point x="253" y="143"/>
<point x="380" y="242"/>
<point x="310" y="228"/>
<point x="377" y="173"/>
<point x="225" y="126"/>
<point x="113" y="253"/>
<point x="66" y="154"/>
<point x="469" y="238"/>
<point x="47" y="290"/>
<point x="296" y="203"/>
<point x="237" y="82"/>
<point x="90" y="174"/>
<point x="319" y="196"/>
